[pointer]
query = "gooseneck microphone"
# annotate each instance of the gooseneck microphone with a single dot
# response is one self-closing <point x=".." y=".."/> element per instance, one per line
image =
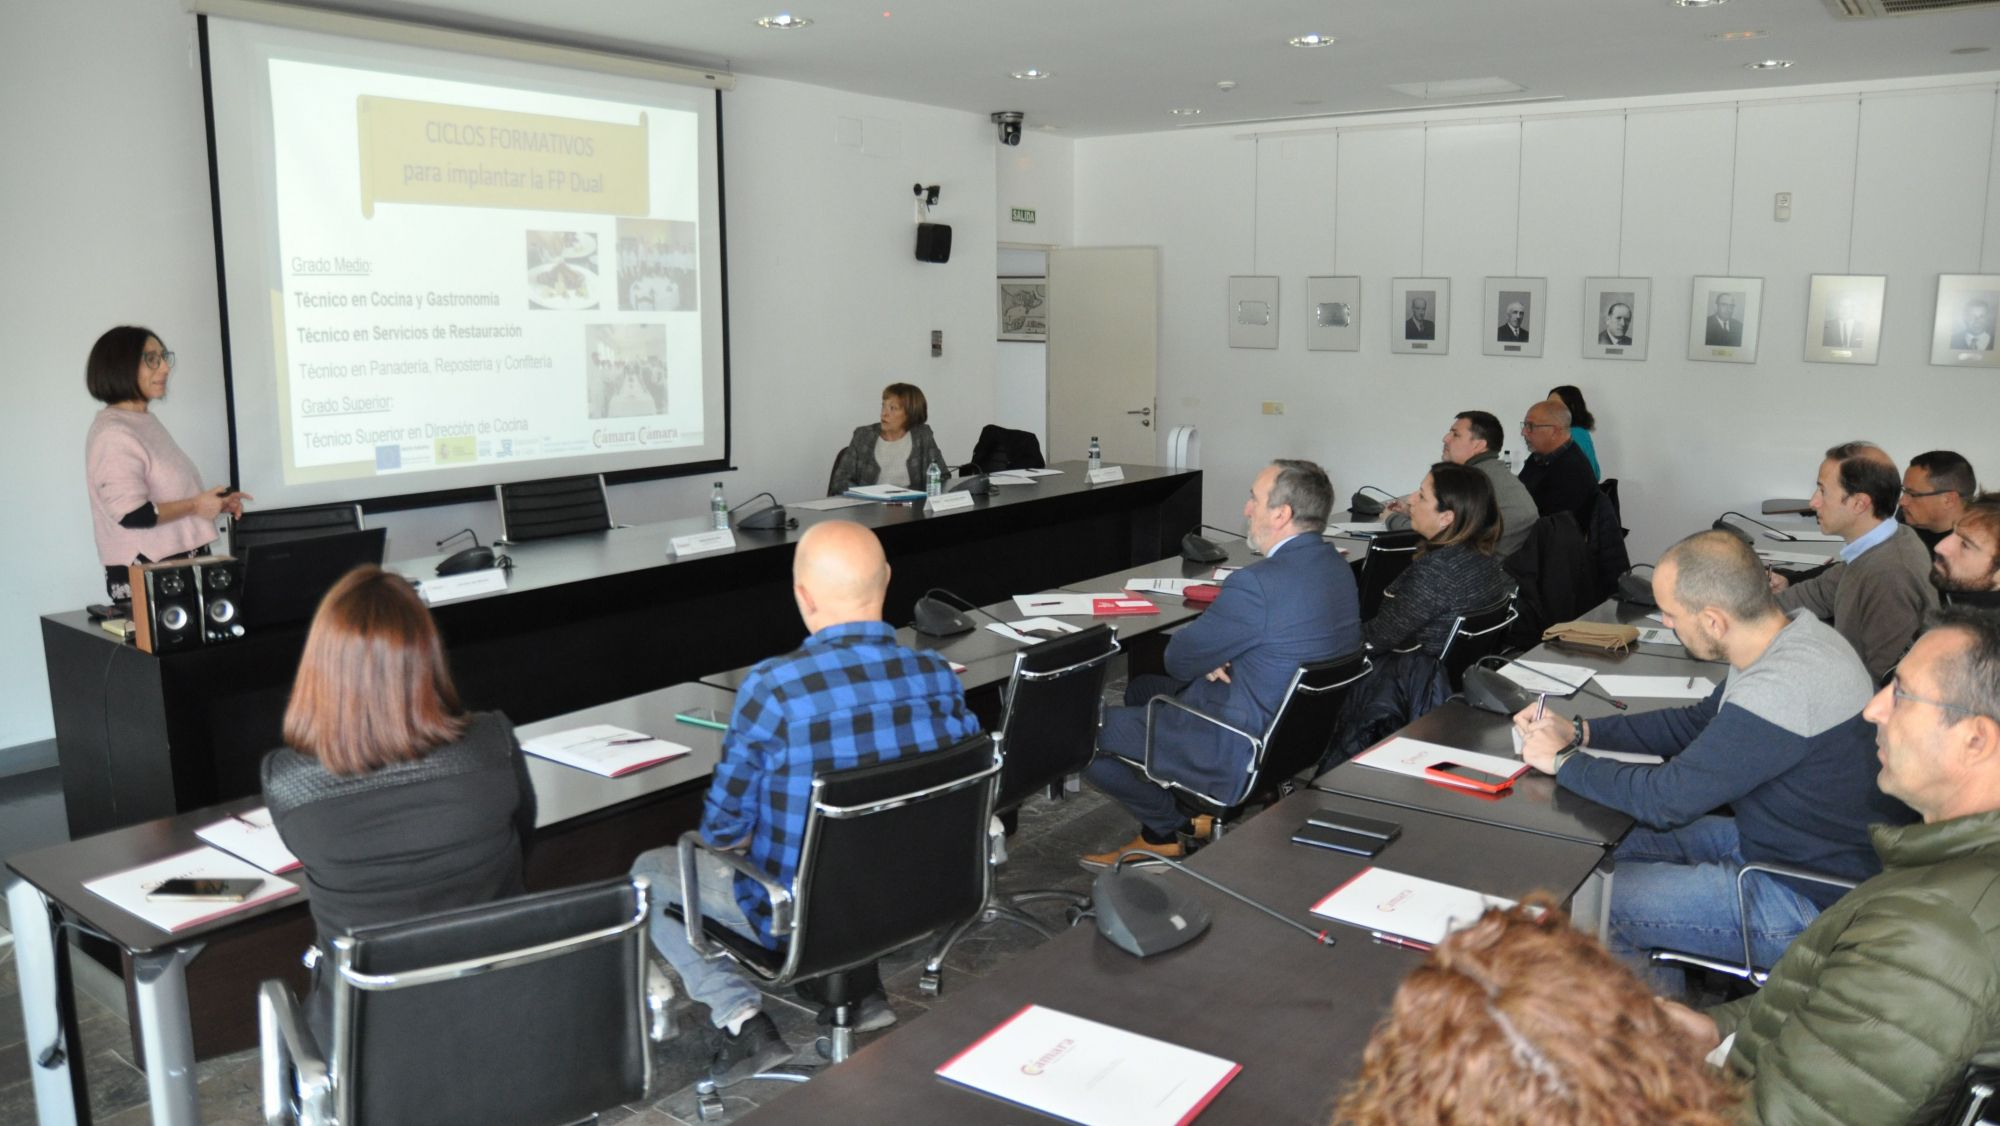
<point x="1360" y="504"/>
<point x="1197" y="548"/>
<point x="1143" y="917"/>
<point x="1722" y="524"/>
<point x="770" y="519"/>
<point x="474" y="558"/>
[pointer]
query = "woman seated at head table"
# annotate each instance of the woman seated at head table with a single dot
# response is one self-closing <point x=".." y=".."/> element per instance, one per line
<point x="1456" y="569"/>
<point x="396" y="800"/>
<point x="1522" y="1019"/>
<point x="898" y="450"/>
<point x="147" y="504"/>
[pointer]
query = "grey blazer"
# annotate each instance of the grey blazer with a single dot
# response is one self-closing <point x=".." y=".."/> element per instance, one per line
<point x="856" y="465"/>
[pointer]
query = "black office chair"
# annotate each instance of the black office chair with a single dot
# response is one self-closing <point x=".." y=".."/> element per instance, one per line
<point x="1389" y="555"/>
<point x="529" y="1010"/>
<point x="259" y="527"/>
<point x="1047" y="732"/>
<point x="1298" y="736"/>
<point x="1747" y="971"/>
<point x="1476" y="634"/>
<point x="999" y="448"/>
<point x="563" y="506"/>
<point x="1978" y="1099"/>
<point x="893" y="852"/>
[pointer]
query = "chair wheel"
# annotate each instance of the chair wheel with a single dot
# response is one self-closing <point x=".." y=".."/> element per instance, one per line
<point x="825" y="1046"/>
<point x="928" y="985"/>
<point x="707" y="1104"/>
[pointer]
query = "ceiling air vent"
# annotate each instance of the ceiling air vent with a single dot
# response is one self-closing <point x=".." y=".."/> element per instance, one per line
<point x="1878" y="9"/>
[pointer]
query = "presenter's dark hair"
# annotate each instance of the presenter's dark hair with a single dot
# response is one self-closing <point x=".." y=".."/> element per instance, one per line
<point x="1579" y="415"/>
<point x="112" y="372"/>
<point x="1948" y="470"/>
<point x="1872" y="477"/>
<point x="1475" y="515"/>
<point x="1485" y="427"/>
<point x="1304" y="486"/>
<point x="916" y="409"/>
<point x="373" y="688"/>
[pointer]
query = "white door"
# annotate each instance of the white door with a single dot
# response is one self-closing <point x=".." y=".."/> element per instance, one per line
<point x="1104" y="325"/>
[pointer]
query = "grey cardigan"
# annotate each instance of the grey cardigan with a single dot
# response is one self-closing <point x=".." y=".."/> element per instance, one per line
<point x="857" y="462"/>
<point x="1878" y="602"/>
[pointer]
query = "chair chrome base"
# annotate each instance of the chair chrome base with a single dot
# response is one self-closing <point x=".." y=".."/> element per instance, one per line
<point x="930" y="983"/>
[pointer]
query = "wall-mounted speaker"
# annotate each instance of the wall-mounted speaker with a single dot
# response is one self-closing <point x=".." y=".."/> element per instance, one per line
<point x="166" y="606"/>
<point x="220" y="579"/>
<point x="933" y="242"/>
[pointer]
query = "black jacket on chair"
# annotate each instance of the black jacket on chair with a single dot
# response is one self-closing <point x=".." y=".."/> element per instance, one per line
<point x="1554" y="572"/>
<point x="999" y="448"/>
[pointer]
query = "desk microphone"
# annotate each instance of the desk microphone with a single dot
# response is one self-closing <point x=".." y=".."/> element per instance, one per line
<point x="1360" y="504"/>
<point x="1495" y="693"/>
<point x="1200" y="549"/>
<point x="1144" y="917"/>
<point x="1723" y="525"/>
<point x="934" y="616"/>
<point x="474" y="558"/>
<point x="771" y="519"/>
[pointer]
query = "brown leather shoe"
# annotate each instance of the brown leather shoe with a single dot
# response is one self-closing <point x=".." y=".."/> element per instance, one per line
<point x="1204" y="827"/>
<point x="1171" y="851"/>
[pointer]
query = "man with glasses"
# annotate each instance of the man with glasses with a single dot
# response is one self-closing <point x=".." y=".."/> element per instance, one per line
<point x="1474" y="441"/>
<point x="1877" y="1009"/>
<point x="1879" y="592"/>
<point x="1966" y="564"/>
<point x="1557" y="474"/>
<point x="1935" y="488"/>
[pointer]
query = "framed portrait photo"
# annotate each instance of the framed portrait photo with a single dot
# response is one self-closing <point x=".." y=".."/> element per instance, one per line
<point x="1514" y="315"/>
<point x="1253" y="311"/>
<point x="1962" y="333"/>
<point x="1421" y="308"/>
<point x="1722" y="319"/>
<point x="1617" y="314"/>
<point x="1333" y="314"/>
<point x="1024" y="308"/>
<point x="1844" y="318"/>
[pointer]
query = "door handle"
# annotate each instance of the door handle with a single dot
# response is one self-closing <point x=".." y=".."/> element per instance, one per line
<point x="1147" y="411"/>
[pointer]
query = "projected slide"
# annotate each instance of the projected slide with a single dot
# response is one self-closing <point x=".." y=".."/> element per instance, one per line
<point x="474" y="274"/>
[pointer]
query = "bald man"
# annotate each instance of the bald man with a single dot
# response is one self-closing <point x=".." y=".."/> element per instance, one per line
<point x="847" y="697"/>
<point x="1557" y="473"/>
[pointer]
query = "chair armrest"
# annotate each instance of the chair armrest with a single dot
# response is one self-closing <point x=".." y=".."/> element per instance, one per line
<point x="292" y="1064"/>
<point x="1743" y="900"/>
<point x="781" y="896"/>
<point x="1256" y="743"/>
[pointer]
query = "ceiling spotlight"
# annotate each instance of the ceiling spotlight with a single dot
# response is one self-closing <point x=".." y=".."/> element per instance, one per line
<point x="1735" y="36"/>
<point x="1030" y="74"/>
<point x="1768" y="64"/>
<point x="1185" y="111"/>
<point x="1313" y="40"/>
<point x="784" y="21"/>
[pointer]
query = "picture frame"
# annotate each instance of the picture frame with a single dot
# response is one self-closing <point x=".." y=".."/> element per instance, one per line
<point x="1844" y="318"/>
<point x="1515" y="310"/>
<point x="1962" y="329"/>
<point x="1333" y="314"/>
<point x="1253" y="311"/>
<point x="1023" y="307"/>
<point x="1608" y="335"/>
<point x="1408" y="331"/>
<point x="1723" y="318"/>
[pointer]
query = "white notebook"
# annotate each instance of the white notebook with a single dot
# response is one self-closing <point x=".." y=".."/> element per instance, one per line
<point x="1082" y="1071"/>
<point x="603" y="749"/>
<point x="128" y="889"/>
<point x="1413" y="756"/>
<point x="253" y="837"/>
<point x="1411" y="907"/>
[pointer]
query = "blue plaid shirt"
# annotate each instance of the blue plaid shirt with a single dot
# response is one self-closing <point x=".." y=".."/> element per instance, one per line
<point x="850" y="696"/>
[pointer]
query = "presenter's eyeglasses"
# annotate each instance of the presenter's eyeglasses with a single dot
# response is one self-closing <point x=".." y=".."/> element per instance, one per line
<point x="154" y="360"/>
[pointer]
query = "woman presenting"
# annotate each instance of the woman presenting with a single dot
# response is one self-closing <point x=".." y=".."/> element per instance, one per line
<point x="896" y="451"/>
<point x="146" y="500"/>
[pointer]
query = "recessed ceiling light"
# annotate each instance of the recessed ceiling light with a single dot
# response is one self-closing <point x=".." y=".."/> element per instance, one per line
<point x="1030" y="74"/>
<point x="1736" y="36"/>
<point x="1315" y="39"/>
<point x="1698" y="3"/>
<point x="1970" y="50"/>
<point x="1185" y="111"/>
<point x="1768" y="64"/>
<point x="784" y="21"/>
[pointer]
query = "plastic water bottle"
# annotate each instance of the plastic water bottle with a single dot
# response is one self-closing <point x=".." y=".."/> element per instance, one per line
<point x="934" y="480"/>
<point x="1507" y="459"/>
<point x="1095" y="457"/>
<point x="718" y="508"/>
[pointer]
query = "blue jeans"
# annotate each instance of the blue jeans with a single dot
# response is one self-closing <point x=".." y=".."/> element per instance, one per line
<point x="1676" y="890"/>
<point x="715" y="982"/>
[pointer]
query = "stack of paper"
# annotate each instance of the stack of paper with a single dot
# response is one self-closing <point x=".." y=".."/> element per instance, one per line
<point x="885" y="493"/>
<point x="253" y="837"/>
<point x="1414" y="756"/>
<point x="1063" y="602"/>
<point x="128" y="889"/>
<point x="1547" y="676"/>
<point x="603" y="749"/>
<point x="1016" y="631"/>
<point x="1081" y="1071"/>
<point x="1657" y="687"/>
<point x="1379" y="900"/>
<point x="1164" y="586"/>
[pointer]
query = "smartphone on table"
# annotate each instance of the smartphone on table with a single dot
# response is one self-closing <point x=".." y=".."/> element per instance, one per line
<point x="1471" y="778"/>
<point x="205" y="889"/>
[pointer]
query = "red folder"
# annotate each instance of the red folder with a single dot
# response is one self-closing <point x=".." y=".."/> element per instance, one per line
<point x="1103" y="607"/>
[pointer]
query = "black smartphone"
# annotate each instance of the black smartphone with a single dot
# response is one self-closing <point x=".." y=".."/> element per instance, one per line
<point x="221" y="891"/>
<point x="102" y="610"/>
<point x="1355" y="823"/>
<point x="1339" y="840"/>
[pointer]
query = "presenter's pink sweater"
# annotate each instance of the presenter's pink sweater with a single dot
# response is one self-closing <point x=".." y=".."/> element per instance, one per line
<point x="130" y="459"/>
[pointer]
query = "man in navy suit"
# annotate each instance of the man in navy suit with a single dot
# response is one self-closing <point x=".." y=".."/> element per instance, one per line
<point x="1297" y="604"/>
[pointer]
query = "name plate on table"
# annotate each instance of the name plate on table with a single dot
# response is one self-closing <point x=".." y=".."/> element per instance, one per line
<point x="701" y="543"/>
<point x="1108" y="473"/>
<point x="946" y="502"/>
<point x="444" y="588"/>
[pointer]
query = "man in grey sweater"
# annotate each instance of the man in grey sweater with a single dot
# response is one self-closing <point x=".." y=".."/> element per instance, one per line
<point x="1879" y="593"/>
<point x="1474" y="441"/>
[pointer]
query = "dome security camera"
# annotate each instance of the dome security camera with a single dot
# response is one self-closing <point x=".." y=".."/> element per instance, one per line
<point x="1009" y="121"/>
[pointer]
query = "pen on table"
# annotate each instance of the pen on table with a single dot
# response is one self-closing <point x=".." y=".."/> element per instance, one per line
<point x="700" y="721"/>
<point x="1690" y="682"/>
<point x="1039" y="605"/>
<point x="1541" y="705"/>
<point x="1395" y="941"/>
<point x="628" y="741"/>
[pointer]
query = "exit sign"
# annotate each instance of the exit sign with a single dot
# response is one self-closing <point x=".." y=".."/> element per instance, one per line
<point x="1024" y="214"/>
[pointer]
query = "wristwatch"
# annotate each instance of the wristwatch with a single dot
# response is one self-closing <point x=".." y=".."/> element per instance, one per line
<point x="1574" y="745"/>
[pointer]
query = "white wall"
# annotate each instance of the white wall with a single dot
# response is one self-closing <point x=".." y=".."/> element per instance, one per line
<point x="827" y="301"/>
<point x="1667" y="189"/>
<point x="1037" y="174"/>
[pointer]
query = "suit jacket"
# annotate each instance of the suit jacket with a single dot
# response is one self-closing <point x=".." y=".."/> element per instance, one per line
<point x="1604" y="337"/>
<point x="1298" y="605"/>
<point x="1414" y="329"/>
<point x="856" y="464"/>
<point x="1729" y="334"/>
<point x="1962" y="342"/>
<point x="1562" y="482"/>
<point x="1507" y="335"/>
<point x="1829" y="337"/>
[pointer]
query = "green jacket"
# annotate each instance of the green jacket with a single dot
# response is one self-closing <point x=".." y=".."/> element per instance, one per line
<point x="1874" y="1012"/>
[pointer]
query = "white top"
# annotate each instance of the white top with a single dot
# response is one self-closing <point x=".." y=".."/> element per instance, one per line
<point x="893" y="458"/>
